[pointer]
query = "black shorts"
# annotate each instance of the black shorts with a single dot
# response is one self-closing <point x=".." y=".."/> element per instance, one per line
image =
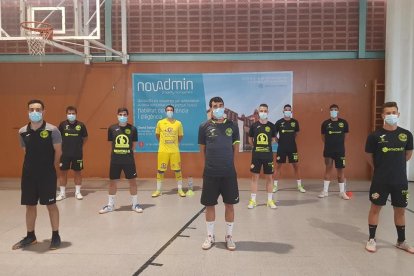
<point x="72" y="163"/>
<point x="214" y="186"/>
<point x="378" y="195"/>
<point x="339" y="158"/>
<point x="115" y="170"/>
<point x="257" y="163"/>
<point x="292" y="157"/>
<point x="39" y="187"/>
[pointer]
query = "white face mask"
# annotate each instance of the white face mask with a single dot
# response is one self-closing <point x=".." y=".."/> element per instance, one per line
<point x="334" y="113"/>
<point x="391" y="119"/>
<point x="287" y="113"/>
<point x="263" y="115"/>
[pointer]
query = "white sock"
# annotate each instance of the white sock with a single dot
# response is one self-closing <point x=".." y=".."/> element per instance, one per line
<point x="180" y="185"/>
<point x="229" y="228"/>
<point x="210" y="228"/>
<point x="341" y="187"/>
<point x="274" y="182"/>
<point x="62" y="190"/>
<point x="253" y="197"/>
<point x="111" y="200"/>
<point x="299" y="181"/>
<point x="326" y="185"/>
<point x="77" y="189"/>
<point x="159" y="185"/>
<point x="269" y="196"/>
<point x="134" y="200"/>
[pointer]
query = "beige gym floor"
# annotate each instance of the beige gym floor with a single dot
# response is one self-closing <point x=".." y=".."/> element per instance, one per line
<point x="304" y="236"/>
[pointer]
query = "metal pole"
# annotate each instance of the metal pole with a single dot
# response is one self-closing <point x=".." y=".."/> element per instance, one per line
<point x="124" y="32"/>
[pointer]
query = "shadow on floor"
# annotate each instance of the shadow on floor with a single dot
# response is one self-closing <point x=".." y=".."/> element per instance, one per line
<point x="43" y="247"/>
<point x="128" y="207"/>
<point x="344" y="231"/>
<point x="254" y="246"/>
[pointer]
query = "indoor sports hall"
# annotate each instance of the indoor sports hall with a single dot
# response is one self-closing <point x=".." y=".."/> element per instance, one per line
<point x="109" y="57"/>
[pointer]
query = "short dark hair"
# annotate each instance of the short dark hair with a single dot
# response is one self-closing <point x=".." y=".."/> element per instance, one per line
<point x="216" y="100"/>
<point x="287" y="105"/>
<point x="34" y="101"/>
<point x="169" y="106"/>
<point x="71" y="108"/>
<point x="334" y="106"/>
<point x="264" y="105"/>
<point x="389" y="104"/>
<point x="122" y="109"/>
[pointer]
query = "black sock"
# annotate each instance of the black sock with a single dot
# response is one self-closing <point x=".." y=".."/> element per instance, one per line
<point x="400" y="232"/>
<point x="372" y="230"/>
<point x="55" y="233"/>
<point x="31" y="234"/>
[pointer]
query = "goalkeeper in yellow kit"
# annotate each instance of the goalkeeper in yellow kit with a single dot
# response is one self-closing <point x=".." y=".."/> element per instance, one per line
<point x="169" y="133"/>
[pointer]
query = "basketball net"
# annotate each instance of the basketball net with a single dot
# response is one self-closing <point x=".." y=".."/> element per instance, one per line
<point x="37" y="33"/>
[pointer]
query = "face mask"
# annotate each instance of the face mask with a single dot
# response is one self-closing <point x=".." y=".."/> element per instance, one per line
<point x="391" y="119"/>
<point x="218" y="113"/>
<point x="35" y="116"/>
<point x="170" y="114"/>
<point x="122" y="119"/>
<point x="71" y="117"/>
<point x="263" y="115"/>
<point x="334" y="113"/>
<point x="287" y="113"/>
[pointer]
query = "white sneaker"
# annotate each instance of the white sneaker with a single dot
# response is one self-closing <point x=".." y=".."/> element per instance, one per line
<point x="230" y="244"/>
<point x="274" y="188"/>
<point x="371" y="246"/>
<point x="106" y="209"/>
<point x="60" y="197"/>
<point x="405" y="246"/>
<point x="79" y="196"/>
<point x="137" y="208"/>
<point x="323" y="194"/>
<point x="301" y="189"/>
<point x="343" y="196"/>
<point x="208" y="243"/>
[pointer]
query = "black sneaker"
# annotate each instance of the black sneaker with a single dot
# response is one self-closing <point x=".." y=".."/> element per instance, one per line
<point x="55" y="243"/>
<point x="26" y="241"/>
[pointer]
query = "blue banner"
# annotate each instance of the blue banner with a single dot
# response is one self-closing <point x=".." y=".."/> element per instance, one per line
<point x="152" y="92"/>
<point x="190" y="93"/>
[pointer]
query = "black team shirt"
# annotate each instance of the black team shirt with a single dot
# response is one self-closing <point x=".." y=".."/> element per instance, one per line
<point x="388" y="149"/>
<point x="287" y="135"/>
<point x="334" y="132"/>
<point x="262" y="135"/>
<point x="72" y="138"/>
<point x="218" y="139"/>
<point x="122" y="139"/>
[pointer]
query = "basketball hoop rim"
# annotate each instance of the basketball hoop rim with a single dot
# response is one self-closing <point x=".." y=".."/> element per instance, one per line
<point x="48" y="27"/>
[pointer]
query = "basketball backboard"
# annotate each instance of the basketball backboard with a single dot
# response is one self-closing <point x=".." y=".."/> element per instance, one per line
<point x="70" y="19"/>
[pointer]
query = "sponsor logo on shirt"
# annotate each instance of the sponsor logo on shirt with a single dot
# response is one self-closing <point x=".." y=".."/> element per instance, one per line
<point x="262" y="139"/>
<point x="387" y="149"/>
<point x="44" y="134"/>
<point x="382" y="139"/>
<point x="121" y="141"/>
<point x="402" y="137"/>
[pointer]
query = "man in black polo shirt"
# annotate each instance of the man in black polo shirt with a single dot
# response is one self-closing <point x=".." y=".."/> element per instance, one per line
<point x="388" y="150"/>
<point x="218" y="139"/>
<point x="41" y="143"/>
<point x="287" y="129"/>
<point x="74" y="136"/>
<point x="261" y="136"/>
<point x="333" y="133"/>
<point x="123" y="137"/>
